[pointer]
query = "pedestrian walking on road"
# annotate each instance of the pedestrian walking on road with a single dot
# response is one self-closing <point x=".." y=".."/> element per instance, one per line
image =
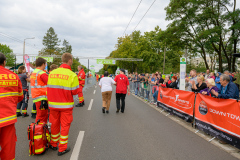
<point x="121" y="90"/>
<point x="106" y="89"/>
<point x="10" y="94"/>
<point x="63" y="84"/>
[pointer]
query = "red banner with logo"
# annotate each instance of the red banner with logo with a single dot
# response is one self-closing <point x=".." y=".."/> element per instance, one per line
<point x="177" y="102"/>
<point x="219" y="118"/>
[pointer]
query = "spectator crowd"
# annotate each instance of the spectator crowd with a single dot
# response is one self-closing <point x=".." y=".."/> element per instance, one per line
<point x="220" y="85"/>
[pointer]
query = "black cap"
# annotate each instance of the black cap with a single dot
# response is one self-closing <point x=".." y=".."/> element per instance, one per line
<point x="122" y="70"/>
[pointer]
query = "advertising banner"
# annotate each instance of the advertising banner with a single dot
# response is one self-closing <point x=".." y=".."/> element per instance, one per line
<point x="106" y="61"/>
<point x="48" y="59"/>
<point x="46" y="68"/>
<point x="177" y="102"/>
<point x="27" y="62"/>
<point x="219" y="118"/>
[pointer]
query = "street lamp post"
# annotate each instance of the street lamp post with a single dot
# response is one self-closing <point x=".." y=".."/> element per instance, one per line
<point x="24" y="47"/>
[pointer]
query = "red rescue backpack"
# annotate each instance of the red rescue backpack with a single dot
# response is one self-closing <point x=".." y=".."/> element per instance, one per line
<point x="39" y="137"/>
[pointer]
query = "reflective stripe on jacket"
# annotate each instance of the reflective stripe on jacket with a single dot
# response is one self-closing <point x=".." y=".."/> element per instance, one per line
<point x="38" y="87"/>
<point x="62" y="85"/>
<point x="81" y="77"/>
<point x="10" y="94"/>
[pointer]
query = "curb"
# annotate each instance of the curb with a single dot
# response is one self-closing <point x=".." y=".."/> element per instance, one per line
<point x="235" y="152"/>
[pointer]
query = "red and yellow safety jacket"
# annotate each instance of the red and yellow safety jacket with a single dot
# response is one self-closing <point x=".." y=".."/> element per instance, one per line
<point x="38" y="87"/>
<point x="10" y="94"/>
<point x="62" y="85"/>
<point x="81" y="77"/>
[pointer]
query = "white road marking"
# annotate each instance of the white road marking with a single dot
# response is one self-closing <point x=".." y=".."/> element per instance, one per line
<point x="77" y="147"/>
<point x="94" y="91"/>
<point x="90" y="105"/>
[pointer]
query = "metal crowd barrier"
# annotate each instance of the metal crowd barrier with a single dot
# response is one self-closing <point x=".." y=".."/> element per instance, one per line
<point x="89" y="82"/>
<point x="146" y="92"/>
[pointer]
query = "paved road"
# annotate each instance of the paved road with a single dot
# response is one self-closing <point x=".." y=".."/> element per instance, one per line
<point x="141" y="133"/>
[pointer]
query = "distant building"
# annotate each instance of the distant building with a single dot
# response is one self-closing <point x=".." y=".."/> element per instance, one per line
<point x="213" y="64"/>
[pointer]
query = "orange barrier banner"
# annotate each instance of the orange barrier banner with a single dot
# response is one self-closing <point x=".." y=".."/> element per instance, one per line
<point x="219" y="118"/>
<point x="177" y="102"/>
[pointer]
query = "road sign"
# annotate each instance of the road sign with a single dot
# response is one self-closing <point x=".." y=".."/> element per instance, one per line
<point x="182" y="73"/>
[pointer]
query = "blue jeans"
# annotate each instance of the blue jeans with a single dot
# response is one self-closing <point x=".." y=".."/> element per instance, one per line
<point x="23" y="104"/>
<point x="147" y="94"/>
<point x="155" y="94"/>
<point x="136" y="91"/>
<point x="136" y="86"/>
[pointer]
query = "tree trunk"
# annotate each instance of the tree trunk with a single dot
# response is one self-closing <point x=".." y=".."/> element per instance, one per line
<point x="220" y="63"/>
<point x="204" y="57"/>
<point x="234" y="58"/>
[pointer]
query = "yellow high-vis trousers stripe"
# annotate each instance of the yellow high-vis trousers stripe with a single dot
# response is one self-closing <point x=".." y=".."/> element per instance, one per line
<point x="64" y="137"/>
<point x="39" y="150"/>
<point x="63" y="142"/>
<point x="56" y="135"/>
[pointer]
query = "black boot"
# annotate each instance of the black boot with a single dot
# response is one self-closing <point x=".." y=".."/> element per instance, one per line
<point x="62" y="153"/>
<point x="103" y="110"/>
<point x="19" y="114"/>
<point x="79" y="105"/>
<point x="83" y="103"/>
<point x="53" y="148"/>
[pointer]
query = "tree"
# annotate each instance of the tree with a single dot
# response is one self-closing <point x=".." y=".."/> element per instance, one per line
<point x="206" y="28"/>
<point x="8" y="52"/>
<point x="66" y="47"/>
<point x="75" y="64"/>
<point x="148" y="47"/>
<point x="56" y="60"/>
<point x="51" y="43"/>
<point x="50" y="40"/>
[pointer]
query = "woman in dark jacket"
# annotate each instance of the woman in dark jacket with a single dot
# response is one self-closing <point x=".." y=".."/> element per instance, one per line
<point x="200" y="86"/>
<point x="173" y="83"/>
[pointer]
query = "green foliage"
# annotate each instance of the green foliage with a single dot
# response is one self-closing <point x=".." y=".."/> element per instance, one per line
<point x="50" y="40"/>
<point x="51" y="43"/>
<point x="67" y="48"/>
<point x="8" y="52"/>
<point x="207" y="28"/>
<point x="148" y="47"/>
<point x="199" y="68"/>
<point x="52" y="52"/>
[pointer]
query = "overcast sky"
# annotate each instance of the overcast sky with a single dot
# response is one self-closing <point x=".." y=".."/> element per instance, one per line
<point x="91" y="27"/>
